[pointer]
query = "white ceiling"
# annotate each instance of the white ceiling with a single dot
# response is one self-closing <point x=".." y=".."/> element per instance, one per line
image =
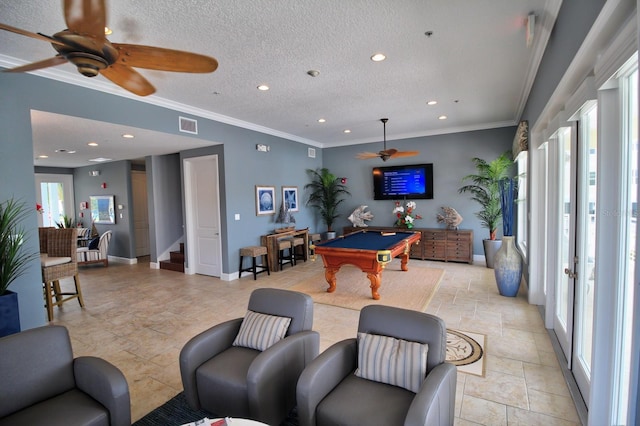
<point x="476" y="65"/>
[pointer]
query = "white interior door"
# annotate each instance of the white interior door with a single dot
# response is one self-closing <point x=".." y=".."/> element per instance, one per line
<point x="140" y="212"/>
<point x="202" y="205"/>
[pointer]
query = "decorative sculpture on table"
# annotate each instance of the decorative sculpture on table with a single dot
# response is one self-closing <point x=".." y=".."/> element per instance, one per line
<point x="358" y="217"/>
<point x="285" y="217"/>
<point x="450" y="217"/>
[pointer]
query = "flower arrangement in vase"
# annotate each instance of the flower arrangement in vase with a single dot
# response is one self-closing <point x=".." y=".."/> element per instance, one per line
<point x="405" y="215"/>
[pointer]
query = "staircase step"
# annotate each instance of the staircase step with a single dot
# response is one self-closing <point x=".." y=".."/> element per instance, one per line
<point x="172" y="266"/>
<point x="176" y="257"/>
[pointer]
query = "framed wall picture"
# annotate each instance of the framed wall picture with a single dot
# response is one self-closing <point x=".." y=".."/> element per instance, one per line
<point x="290" y="197"/>
<point x="102" y="209"/>
<point x="265" y="200"/>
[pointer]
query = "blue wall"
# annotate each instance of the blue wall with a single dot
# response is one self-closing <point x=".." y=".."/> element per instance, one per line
<point x="451" y="156"/>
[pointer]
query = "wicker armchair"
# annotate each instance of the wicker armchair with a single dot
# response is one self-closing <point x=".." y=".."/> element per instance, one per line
<point x="60" y="262"/>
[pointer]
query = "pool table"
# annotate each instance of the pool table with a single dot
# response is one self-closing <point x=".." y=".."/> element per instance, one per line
<point x="368" y="250"/>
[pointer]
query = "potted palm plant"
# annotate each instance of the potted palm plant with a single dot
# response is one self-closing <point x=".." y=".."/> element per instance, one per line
<point x="326" y="192"/>
<point x="13" y="262"/>
<point x="484" y="189"/>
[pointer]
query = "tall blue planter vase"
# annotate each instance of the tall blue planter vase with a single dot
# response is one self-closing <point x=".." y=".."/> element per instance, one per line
<point x="507" y="267"/>
<point x="9" y="314"/>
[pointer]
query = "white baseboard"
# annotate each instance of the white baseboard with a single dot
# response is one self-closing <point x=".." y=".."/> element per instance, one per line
<point x="125" y="260"/>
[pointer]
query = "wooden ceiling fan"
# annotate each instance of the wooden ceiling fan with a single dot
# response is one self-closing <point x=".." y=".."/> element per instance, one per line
<point x="84" y="44"/>
<point x="385" y="154"/>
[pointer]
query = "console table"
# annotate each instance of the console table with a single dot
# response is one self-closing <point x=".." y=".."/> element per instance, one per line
<point x="270" y="241"/>
<point x="448" y="245"/>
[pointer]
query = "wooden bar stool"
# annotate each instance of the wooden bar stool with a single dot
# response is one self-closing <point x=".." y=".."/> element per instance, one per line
<point x="313" y="238"/>
<point x="254" y="252"/>
<point x="60" y="262"/>
<point x="283" y="259"/>
<point x="297" y="249"/>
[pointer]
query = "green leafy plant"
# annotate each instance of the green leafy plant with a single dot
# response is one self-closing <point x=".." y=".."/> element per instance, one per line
<point x="66" y="222"/>
<point x="326" y="193"/>
<point x="484" y="189"/>
<point x="13" y="256"/>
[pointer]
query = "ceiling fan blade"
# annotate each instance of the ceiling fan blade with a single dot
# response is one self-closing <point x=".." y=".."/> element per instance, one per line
<point x="86" y="17"/>
<point x="51" y="62"/>
<point x="30" y="34"/>
<point x="158" y="58"/>
<point x="129" y="79"/>
<point x="405" y="154"/>
<point x="367" y="155"/>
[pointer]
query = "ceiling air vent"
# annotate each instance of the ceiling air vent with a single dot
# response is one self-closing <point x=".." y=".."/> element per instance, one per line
<point x="188" y="125"/>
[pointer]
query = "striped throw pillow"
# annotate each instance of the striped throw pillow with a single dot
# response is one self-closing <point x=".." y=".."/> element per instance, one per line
<point x="392" y="361"/>
<point x="260" y="331"/>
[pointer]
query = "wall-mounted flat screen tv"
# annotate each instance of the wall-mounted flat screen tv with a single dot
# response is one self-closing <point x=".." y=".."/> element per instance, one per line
<point x="413" y="181"/>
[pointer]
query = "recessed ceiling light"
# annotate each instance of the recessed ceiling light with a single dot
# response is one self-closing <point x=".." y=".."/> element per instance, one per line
<point x="100" y="159"/>
<point x="442" y="117"/>
<point x="263" y="87"/>
<point x="71" y="152"/>
<point x="128" y="136"/>
<point x="93" y="144"/>
<point x="313" y="73"/>
<point x="432" y="102"/>
<point x="43" y="156"/>
<point x="347" y="131"/>
<point x="378" y="57"/>
<point x="322" y="120"/>
<point x="107" y="31"/>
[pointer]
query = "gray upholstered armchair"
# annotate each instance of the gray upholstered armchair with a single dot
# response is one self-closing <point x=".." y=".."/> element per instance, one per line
<point x="43" y="384"/>
<point x="363" y="381"/>
<point x="228" y="371"/>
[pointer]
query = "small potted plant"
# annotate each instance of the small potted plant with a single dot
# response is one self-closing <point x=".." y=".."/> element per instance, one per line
<point x="326" y="193"/>
<point x="13" y="262"/>
<point x="484" y="189"/>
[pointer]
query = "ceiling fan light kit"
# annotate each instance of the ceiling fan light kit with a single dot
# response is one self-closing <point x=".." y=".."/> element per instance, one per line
<point x="84" y="44"/>
<point x="386" y="154"/>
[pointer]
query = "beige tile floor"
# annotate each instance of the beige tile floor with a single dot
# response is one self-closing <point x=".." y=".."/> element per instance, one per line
<point x="139" y="318"/>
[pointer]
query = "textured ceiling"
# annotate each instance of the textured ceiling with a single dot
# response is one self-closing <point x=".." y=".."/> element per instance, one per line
<point x="476" y="64"/>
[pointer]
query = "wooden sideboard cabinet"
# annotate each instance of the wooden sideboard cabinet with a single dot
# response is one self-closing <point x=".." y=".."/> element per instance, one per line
<point x="448" y="245"/>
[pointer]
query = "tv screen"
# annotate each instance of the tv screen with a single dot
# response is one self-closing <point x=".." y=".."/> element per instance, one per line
<point x="397" y="182"/>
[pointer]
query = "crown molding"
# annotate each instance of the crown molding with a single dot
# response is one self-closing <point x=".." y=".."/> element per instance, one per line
<point x="112" y="89"/>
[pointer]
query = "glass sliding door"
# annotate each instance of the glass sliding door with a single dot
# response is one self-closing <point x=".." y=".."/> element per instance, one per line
<point x="55" y="194"/>
<point x="565" y="273"/>
<point x="624" y="310"/>
<point x="585" y="258"/>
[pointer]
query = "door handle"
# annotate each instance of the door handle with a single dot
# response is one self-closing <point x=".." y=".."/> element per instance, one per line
<point x="570" y="273"/>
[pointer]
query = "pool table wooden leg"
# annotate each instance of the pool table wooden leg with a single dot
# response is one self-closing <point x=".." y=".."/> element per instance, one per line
<point x="330" y="276"/>
<point x="375" y="285"/>
<point x="404" y="260"/>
